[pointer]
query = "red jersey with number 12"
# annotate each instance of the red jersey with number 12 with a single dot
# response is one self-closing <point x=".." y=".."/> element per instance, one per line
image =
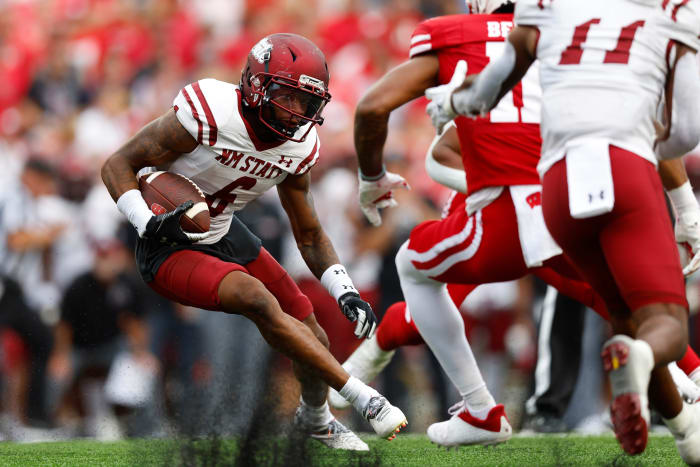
<point x="503" y="148"/>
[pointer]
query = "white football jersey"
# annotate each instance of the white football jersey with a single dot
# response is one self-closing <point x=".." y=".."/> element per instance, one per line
<point x="603" y="67"/>
<point x="230" y="165"/>
<point x="683" y="21"/>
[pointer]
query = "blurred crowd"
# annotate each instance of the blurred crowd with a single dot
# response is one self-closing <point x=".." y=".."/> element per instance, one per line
<point x="86" y="347"/>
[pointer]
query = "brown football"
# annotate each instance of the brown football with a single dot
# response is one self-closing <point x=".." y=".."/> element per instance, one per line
<point x="164" y="191"/>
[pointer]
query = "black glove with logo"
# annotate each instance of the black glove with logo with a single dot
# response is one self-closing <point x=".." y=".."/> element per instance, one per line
<point x="165" y="228"/>
<point x="356" y="309"/>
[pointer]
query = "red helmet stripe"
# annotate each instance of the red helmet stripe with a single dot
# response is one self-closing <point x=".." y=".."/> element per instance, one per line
<point x="213" y="130"/>
<point x="309" y="159"/>
<point x="195" y="114"/>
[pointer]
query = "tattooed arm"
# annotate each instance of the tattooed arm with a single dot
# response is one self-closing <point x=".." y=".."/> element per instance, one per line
<point x="159" y="142"/>
<point x="402" y="84"/>
<point x="313" y="243"/>
<point x="320" y="256"/>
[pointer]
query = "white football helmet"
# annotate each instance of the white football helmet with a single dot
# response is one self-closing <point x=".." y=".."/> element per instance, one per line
<point x="485" y="7"/>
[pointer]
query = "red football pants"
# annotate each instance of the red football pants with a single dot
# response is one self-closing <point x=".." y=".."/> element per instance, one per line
<point x="628" y="255"/>
<point x="485" y="248"/>
<point x="192" y="278"/>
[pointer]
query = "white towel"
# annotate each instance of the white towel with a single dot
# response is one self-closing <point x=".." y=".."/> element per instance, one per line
<point x="535" y="240"/>
<point x="591" y="190"/>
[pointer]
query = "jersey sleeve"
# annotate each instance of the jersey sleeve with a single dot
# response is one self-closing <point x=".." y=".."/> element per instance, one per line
<point x="532" y="12"/>
<point x="681" y="20"/>
<point x="204" y="107"/>
<point x="436" y="33"/>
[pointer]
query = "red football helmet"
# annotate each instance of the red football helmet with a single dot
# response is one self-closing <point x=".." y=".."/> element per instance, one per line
<point x="286" y="78"/>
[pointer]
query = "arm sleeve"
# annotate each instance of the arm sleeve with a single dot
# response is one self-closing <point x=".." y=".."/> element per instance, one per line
<point x="685" y="117"/>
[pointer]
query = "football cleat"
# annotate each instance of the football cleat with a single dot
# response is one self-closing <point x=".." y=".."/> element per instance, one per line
<point x="688" y="443"/>
<point x="365" y="363"/>
<point x="629" y="367"/>
<point x="464" y="430"/>
<point x="689" y="391"/>
<point x="335" y="435"/>
<point x="386" y="420"/>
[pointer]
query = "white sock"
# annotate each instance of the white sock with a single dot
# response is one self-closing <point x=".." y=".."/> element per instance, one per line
<point x="479" y="402"/>
<point x="357" y="393"/>
<point x="695" y="376"/>
<point x="441" y="326"/>
<point x="317" y="416"/>
<point x="681" y="422"/>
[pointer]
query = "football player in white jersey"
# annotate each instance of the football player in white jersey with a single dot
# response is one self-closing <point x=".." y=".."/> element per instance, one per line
<point x="236" y="142"/>
<point x="604" y="67"/>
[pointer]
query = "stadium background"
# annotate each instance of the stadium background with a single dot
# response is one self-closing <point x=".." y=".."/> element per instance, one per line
<point x="78" y="78"/>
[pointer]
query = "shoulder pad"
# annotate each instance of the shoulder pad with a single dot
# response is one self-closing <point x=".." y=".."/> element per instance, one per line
<point x="204" y="107"/>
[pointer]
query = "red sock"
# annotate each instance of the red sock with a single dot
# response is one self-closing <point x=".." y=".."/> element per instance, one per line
<point x="394" y="332"/>
<point x="690" y="361"/>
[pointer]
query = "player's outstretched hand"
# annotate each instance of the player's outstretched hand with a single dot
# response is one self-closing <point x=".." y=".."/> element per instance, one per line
<point x="166" y="227"/>
<point x="440" y="108"/>
<point x="377" y="194"/>
<point x="357" y="310"/>
<point x="687" y="232"/>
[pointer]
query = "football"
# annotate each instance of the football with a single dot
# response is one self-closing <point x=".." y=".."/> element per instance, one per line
<point x="164" y="191"/>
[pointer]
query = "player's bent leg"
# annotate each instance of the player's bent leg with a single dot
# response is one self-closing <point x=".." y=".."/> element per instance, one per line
<point x="243" y="294"/>
<point x="313" y="416"/>
<point x="374" y="354"/>
<point x="396" y="329"/>
<point x="475" y="420"/>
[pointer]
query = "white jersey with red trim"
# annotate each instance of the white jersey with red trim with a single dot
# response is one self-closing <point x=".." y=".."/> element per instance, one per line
<point x="603" y="68"/>
<point x="230" y="165"/>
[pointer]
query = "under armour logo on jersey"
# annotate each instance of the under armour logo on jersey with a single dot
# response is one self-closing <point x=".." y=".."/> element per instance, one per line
<point x="339" y="271"/>
<point x="284" y="160"/>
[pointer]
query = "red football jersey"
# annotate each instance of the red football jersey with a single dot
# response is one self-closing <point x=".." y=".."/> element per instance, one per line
<point x="504" y="147"/>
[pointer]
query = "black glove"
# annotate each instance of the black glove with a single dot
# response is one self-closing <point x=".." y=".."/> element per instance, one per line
<point x="165" y="228"/>
<point x="356" y="309"/>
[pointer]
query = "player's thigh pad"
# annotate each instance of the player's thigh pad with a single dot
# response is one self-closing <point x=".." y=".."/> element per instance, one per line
<point x="192" y="278"/>
<point x="268" y="271"/>
<point x="461" y="249"/>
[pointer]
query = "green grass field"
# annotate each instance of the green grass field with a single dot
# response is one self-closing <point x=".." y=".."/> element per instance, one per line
<point x="407" y="450"/>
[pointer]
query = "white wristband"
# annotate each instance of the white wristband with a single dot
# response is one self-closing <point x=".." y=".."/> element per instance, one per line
<point x="337" y="281"/>
<point x="683" y="199"/>
<point x="134" y="207"/>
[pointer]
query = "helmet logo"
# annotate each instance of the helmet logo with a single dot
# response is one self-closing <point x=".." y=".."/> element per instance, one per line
<point x="306" y="80"/>
<point x="261" y="50"/>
